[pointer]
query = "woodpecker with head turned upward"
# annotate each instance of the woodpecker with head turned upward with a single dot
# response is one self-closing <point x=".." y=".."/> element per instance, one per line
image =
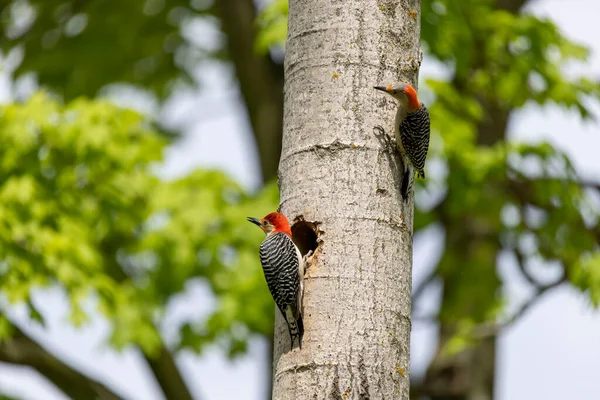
<point x="283" y="267"/>
<point x="411" y="129"/>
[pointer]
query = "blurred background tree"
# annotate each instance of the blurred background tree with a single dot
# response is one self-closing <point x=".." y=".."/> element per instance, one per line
<point x="84" y="207"/>
<point x="83" y="210"/>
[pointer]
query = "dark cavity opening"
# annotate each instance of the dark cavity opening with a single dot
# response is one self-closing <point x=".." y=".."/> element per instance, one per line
<point x="304" y="234"/>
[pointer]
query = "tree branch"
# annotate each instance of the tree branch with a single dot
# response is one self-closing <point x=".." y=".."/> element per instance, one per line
<point x="589" y="184"/>
<point x="486" y="330"/>
<point x="523" y="269"/>
<point x="20" y="349"/>
<point x="167" y="374"/>
<point x="522" y="191"/>
<point x="423" y="285"/>
<point x="163" y="367"/>
<point x="512" y="6"/>
<point x="581" y="182"/>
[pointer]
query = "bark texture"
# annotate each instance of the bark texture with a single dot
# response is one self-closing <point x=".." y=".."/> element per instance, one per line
<point x="337" y="174"/>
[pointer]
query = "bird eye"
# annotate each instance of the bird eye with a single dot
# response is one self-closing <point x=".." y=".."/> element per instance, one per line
<point x="265" y="222"/>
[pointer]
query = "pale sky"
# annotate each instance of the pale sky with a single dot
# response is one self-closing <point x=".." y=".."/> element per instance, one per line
<point x="553" y="353"/>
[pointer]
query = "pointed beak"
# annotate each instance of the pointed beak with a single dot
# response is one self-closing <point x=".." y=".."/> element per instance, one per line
<point x="382" y="88"/>
<point x="255" y="221"/>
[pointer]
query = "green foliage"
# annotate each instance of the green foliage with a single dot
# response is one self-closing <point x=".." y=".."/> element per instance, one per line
<point x="502" y="61"/>
<point x="78" y="46"/>
<point x="506" y="58"/>
<point x="586" y="274"/>
<point x="81" y="208"/>
<point x="6" y="328"/>
<point x="272" y="22"/>
<point x="4" y="397"/>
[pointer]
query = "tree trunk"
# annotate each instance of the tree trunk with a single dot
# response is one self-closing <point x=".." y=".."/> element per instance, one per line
<point x="338" y="177"/>
<point x="260" y="79"/>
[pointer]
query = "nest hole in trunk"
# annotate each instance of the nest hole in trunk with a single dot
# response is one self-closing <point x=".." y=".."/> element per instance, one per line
<point x="305" y="234"/>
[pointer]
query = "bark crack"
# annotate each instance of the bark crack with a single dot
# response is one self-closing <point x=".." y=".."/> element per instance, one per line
<point x="335" y="393"/>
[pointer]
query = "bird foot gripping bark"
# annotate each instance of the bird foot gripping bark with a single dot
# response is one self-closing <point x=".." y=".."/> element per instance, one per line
<point x="388" y="141"/>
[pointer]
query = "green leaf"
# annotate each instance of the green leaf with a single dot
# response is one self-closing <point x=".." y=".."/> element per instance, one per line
<point x="586" y="275"/>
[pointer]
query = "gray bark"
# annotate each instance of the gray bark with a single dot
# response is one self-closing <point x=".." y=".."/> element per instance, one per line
<point x="334" y="172"/>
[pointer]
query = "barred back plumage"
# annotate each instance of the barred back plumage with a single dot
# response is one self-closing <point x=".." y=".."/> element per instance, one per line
<point x="414" y="132"/>
<point x="281" y="260"/>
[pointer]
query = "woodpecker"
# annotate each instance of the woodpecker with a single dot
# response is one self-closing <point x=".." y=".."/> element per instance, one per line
<point x="411" y="129"/>
<point x="283" y="267"/>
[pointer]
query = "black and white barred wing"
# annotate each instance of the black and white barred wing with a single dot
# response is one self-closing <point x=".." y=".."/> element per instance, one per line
<point x="281" y="264"/>
<point x="414" y="132"/>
